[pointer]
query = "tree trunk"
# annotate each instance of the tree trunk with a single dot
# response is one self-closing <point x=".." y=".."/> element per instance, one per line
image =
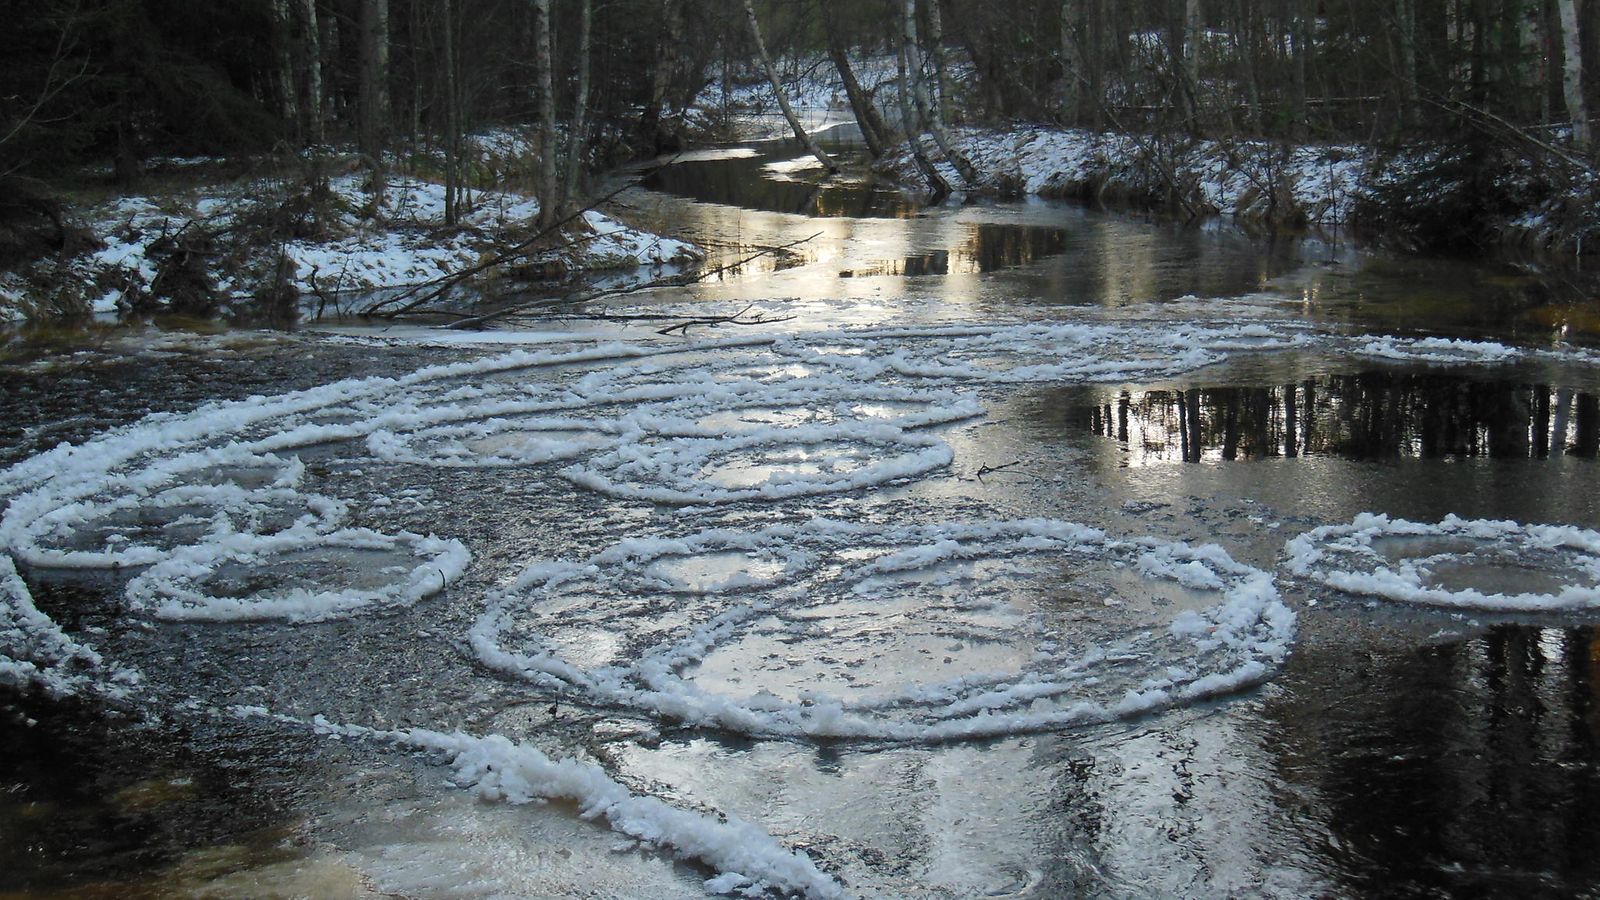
<point x="941" y="86"/>
<point x="928" y="107"/>
<point x="1071" y="59"/>
<point x="1406" y="14"/>
<point x="544" y="81"/>
<point x="1245" y="46"/>
<point x="374" y="92"/>
<point x="335" y="100"/>
<point x="1099" y="41"/>
<point x="452" y="114"/>
<point x="578" y="130"/>
<point x="1511" y="67"/>
<point x="283" y="43"/>
<point x="873" y="129"/>
<point x="1193" y="27"/>
<point x="311" y="58"/>
<point x="937" y="186"/>
<point x="1572" y="72"/>
<point x="777" y="90"/>
<point x="1299" y="39"/>
<point x="662" y="71"/>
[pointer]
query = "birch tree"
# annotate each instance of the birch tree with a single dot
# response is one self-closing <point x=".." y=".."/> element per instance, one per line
<point x="873" y="130"/>
<point x="936" y="182"/>
<point x="1572" y="72"/>
<point x="777" y="90"/>
<point x="283" y="43"/>
<point x="544" y="83"/>
<point x="311" y="59"/>
<point x="578" y="129"/>
<point x="927" y="107"/>
<point x="452" y="112"/>
<point x="373" y="92"/>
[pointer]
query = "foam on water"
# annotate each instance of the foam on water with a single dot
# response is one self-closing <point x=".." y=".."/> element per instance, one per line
<point x="1461" y="563"/>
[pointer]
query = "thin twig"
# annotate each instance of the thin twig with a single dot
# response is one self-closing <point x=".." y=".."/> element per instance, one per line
<point x="735" y="319"/>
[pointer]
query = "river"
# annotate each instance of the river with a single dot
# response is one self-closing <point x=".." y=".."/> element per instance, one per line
<point x="966" y="561"/>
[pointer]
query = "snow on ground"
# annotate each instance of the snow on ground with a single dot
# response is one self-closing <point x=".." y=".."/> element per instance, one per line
<point x="407" y="242"/>
<point x="1248" y="179"/>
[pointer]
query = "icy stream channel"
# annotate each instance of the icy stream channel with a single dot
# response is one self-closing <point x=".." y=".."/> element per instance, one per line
<point x="1205" y="597"/>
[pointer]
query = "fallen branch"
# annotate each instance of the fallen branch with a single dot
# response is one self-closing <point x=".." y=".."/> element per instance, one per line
<point x="670" y="281"/>
<point x="735" y="319"/>
<point x="442" y="285"/>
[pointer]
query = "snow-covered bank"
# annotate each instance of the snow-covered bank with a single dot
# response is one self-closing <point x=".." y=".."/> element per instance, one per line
<point x="1321" y="185"/>
<point x="1245" y="179"/>
<point x="234" y="241"/>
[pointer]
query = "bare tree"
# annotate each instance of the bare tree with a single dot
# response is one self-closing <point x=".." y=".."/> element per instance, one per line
<point x="1072" y="22"/>
<point x="1572" y="71"/>
<point x="873" y="130"/>
<point x="283" y="43"/>
<point x="927" y="106"/>
<point x="578" y="128"/>
<point x="449" y="85"/>
<point x="544" y="83"/>
<point x="777" y="90"/>
<point x="936" y="182"/>
<point x="1406" y="18"/>
<point x="1193" y="26"/>
<point x="374" y="92"/>
<point x="311" y="59"/>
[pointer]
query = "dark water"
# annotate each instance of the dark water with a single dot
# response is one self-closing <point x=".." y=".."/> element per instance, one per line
<point x="1373" y="415"/>
<point x="1401" y="752"/>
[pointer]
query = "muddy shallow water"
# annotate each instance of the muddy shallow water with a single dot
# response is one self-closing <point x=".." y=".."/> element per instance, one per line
<point x="778" y="559"/>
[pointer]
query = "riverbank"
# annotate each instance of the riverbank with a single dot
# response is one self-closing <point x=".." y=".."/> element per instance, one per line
<point x="1421" y="198"/>
<point x="199" y="239"/>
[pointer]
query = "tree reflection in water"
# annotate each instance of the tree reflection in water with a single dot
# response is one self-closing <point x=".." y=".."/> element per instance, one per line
<point x="1465" y="766"/>
<point x="1372" y="415"/>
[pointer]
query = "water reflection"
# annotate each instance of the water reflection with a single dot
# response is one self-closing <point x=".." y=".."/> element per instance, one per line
<point x="1466" y="766"/>
<point x="988" y="248"/>
<point x="746" y="179"/>
<point x="1370" y="415"/>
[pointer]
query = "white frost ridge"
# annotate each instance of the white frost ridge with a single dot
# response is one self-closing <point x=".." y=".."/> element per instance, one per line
<point x="765" y="464"/>
<point x="849" y="608"/>
<point x="746" y="856"/>
<point x="175" y="587"/>
<point x="35" y="651"/>
<point x="1411" y="561"/>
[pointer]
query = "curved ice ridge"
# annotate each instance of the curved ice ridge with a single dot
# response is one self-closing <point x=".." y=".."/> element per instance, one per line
<point x="746" y="857"/>
<point x="173" y="588"/>
<point x="1234" y="643"/>
<point x="1344" y="557"/>
<point x="34" y="651"/>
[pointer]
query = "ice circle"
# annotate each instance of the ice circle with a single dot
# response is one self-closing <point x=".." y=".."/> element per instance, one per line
<point x="1457" y="563"/>
<point x="916" y="633"/>
<point x="298" y="575"/>
<point x="135" y="530"/>
<point x="763" y="463"/>
<point x="495" y="441"/>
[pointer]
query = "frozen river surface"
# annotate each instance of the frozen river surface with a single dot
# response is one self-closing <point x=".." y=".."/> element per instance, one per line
<point x="1021" y="551"/>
